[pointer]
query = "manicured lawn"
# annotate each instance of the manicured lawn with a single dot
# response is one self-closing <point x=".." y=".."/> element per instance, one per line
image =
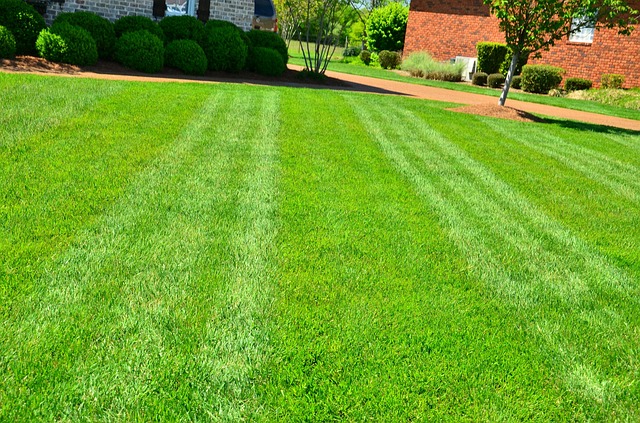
<point x="225" y="252"/>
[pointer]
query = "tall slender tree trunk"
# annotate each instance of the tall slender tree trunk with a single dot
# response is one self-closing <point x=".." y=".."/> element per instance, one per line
<point x="510" y="74"/>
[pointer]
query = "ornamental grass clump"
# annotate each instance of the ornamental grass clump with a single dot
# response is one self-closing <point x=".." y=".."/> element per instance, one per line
<point x="422" y="65"/>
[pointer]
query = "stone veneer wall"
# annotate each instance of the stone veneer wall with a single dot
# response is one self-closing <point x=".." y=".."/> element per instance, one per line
<point x="453" y="28"/>
<point x="240" y="12"/>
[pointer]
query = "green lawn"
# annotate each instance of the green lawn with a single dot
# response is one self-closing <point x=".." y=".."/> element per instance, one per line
<point x="186" y="252"/>
<point x="567" y="103"/>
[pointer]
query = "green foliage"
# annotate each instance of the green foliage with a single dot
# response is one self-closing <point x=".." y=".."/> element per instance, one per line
<point x="479" y="78"/>
<point x="495" y="80"/>
<point x="389" y="59"/>
<point x="101" y="30"/>
<point x="577" y="84"/>
<point x="491" y="56"/>
<point x="612" y="80"/>
<point x="523" y="58"/>
<point x="516" y="82"/>
<point x="140" y="50"/>
<point x="136" y="23"/>
<point x="422" y="65"/>
<point x="365" y="56"/>
<point x="7" y="44"/>
<point x="186" y="55"/>
<point x="541" y="78"/>
<point x="66" y="43"/>
<point x="224" y="48"/>
<point x="351" y="52"/>
<point x="386" y="27"/>
<point x="266" y="61"/>
<point x="356" y="33"/>
<point x="182" y="28"/>
<point x="271" y="40"/>
<point x="24" y="22"/>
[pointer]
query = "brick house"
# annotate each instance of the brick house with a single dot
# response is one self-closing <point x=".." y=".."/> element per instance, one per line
<point x="240" y="12"/>
<point x="452" y="28"/>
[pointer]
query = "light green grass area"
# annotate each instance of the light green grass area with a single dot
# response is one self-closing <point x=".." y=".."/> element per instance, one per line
<point x="186" y="252"/>
<point x="585" y="105"/>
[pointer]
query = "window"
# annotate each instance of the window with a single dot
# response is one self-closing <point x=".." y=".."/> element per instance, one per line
<point x="587" y="25"/>
<point x="180" y="7"/>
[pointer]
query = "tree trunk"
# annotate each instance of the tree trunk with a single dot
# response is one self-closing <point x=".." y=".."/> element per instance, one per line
<point x="510" y="74"/>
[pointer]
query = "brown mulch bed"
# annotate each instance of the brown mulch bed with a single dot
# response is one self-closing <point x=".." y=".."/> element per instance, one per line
<point x="29" y="64"/>
<point x="502" y="112"/>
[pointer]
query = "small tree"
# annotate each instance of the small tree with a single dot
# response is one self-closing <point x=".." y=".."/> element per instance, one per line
<point x="386" y="27"/>
<point x="534" y="25"/>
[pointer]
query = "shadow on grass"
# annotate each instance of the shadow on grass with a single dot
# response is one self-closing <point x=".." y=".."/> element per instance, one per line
<point x="590" y="127"/>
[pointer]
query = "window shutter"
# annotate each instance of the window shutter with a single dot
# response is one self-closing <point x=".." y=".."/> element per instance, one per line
<point x="204" y="7"/>
<point x="159" y="7"/>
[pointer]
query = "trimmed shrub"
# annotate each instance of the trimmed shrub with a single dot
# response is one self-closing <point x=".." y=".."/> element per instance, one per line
<point x="224" y="48"/>
<point x="66" y="43"/>
<point x="522" y="60"/>
<point x="140" y="50"/>
<point x="186" y="55"/>
<point x="266" y="61"/>
<point x="101" y="30"/>
<point x="612" y="80"/>
<point x="218" y="23"/>
<point x="422" y="65"/>
<point x="495" y="80"/>
<point x="182" y="28"/>
<point x="541" y="78"/>
<point x="577" y="84"/>
<point x="516" y="82"/>
<point x="136" y="23"/>
<point x="479" y="78"/>
<point x="491" y="56"/>
<point x="351" y="52"/>
<point x="365" y="56"/>
<point x="24" y="22"/>
<point x="7" y="44"/>
<point x="389" y="59"/>
<point x="270" y="40"/>
<point x="386" y="27"/>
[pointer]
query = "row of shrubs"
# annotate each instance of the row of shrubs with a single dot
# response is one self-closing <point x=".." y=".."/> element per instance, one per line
<point x="137" y="42"/>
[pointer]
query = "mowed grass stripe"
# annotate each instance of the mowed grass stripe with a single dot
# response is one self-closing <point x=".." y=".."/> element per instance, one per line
<point x="599" y="298"/>
<point x="150" y="285"/>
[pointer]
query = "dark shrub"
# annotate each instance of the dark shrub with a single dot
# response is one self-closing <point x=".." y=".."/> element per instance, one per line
<point x="389" y="59"/>
<point x="217" y="23"/>
<point x="479" y="78"/>
<point x="365" y="56"/>
<point x="101" y="30"/>
<point x="442" y="75"/>
<point x="186" y="55"/>
<point x="140" y="50"/>
<point x="266" y="61"/>
<point x="351" y="52"/>
<point x="7" y="44"/>
<point x="612" y="80"/>
<point x="491" y="56"/>
<point x="136" y="23"/>
<point x="495" y="80"/>
<point x="182" y="28"/>
<point x="541" y="78"/>
<point x="577" y="84"/>
<point x="516" y="82"/>
<point x="67" y="43"/>
<point x="24" y="22"/>
<point x="270" y="40"/>
<point x="224" y="48"/>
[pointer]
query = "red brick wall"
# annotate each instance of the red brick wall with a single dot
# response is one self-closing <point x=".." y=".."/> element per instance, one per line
<point x="453" y="28"/>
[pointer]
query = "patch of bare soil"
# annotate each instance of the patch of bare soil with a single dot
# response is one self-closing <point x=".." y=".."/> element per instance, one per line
<point x="502" y="112"/>
<point x="29" y="64"/>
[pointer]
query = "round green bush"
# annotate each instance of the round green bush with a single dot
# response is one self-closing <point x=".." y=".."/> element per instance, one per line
<point x="271" y="40"/>
<point x="186" y="55"/>
<point x="224" y="48"/>
<point x="541" y="78"/>
<point x="182" y="28"/>
<point x="67" y="43"/>
<point x="140" y="50"/>
<point x="495" y="80"/>
<point x="136" y="23"/>
<point x="351" y="52"/>
<point x="216" y="23"/>
<point x="577" y="84"/>
<point x="7" y="44"/>
<point x="24" y="22"/>
<point x="101" y="30"/>
<point x="386" y="27"/>
<point x="479" y="78"/>
<point x="516" y="82"/>
<point x="266" y="61"/>
<point x="389" y="59"/>
<point x="365" y="56"/>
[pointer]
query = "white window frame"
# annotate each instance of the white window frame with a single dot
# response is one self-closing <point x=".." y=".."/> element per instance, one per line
<point x="585" y="34"/>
